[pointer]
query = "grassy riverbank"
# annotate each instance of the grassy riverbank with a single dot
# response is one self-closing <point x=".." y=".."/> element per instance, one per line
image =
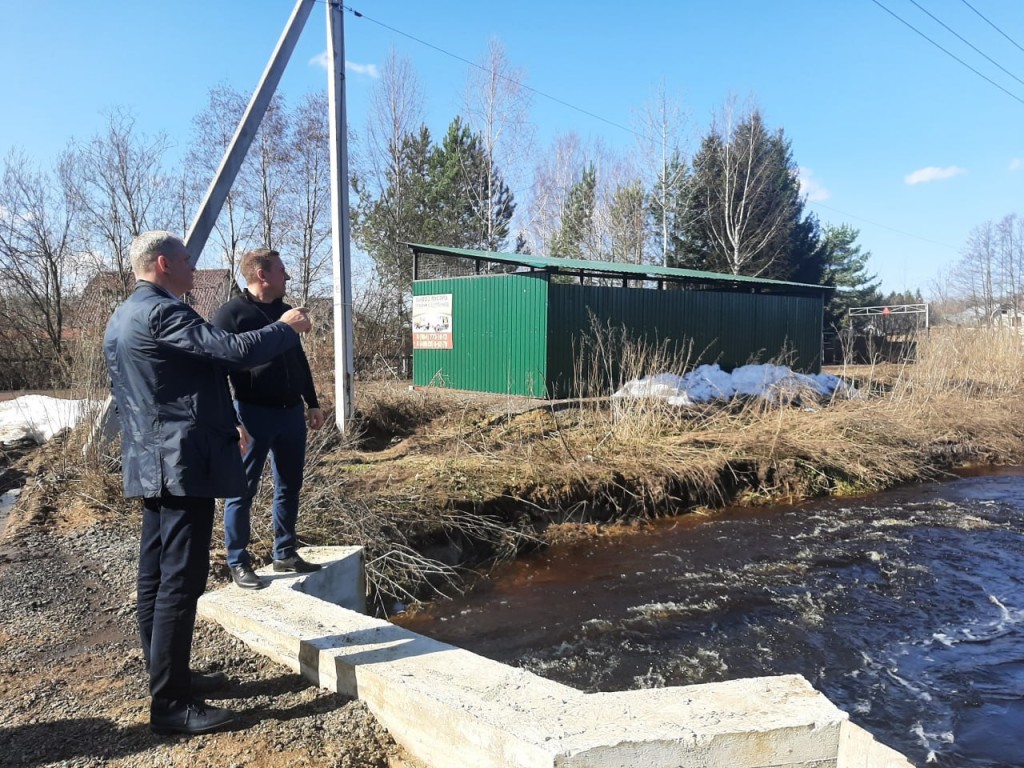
<point x="435" y="481"/>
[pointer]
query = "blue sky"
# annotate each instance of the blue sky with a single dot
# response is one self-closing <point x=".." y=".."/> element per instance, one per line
<point x="869" y="105"/>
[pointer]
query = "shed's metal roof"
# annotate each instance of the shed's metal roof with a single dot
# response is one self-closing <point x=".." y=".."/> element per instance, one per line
<point x="619" y="269"/>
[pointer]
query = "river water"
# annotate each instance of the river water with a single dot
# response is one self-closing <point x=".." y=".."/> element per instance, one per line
<point x="905" y="608"/>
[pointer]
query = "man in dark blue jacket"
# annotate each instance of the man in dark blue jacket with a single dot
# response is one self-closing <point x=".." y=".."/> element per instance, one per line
<point x="180" y="450"/>
<point x="269" y="399"/>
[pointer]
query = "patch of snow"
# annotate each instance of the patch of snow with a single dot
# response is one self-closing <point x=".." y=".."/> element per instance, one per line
<point x="38" y="417"/>
<point x="710" y="382"/>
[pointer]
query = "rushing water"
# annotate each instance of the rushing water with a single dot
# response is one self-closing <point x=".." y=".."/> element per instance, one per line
<point x="906" y="609"/>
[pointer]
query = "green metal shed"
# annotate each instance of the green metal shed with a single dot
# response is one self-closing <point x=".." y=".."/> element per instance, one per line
<point x="521" y="324"/>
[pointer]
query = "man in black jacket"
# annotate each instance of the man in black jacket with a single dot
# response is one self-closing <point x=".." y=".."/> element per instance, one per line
<point x="269" y="400"/>
<point x="179" y="451"/>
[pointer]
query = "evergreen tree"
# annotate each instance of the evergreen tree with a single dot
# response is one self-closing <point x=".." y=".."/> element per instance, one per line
<point x="401" y="213"/>
<point x="669" y="212"/>
<point x="574" y="238"/>
<point x="463" y="183"/>
<point x="627" y="216"/>
<point x="746" y="214"/>
<point x="847" y="270"/>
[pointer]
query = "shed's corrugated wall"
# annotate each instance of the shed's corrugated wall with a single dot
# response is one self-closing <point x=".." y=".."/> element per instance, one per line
<point x="730" y="329"/>
<point x="499" y="335"/>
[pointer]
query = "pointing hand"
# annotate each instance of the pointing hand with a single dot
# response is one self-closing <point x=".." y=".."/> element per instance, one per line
<point x="298" y="319"/>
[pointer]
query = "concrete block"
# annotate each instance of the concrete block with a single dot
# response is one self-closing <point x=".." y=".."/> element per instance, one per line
<point x="451" y="708"/>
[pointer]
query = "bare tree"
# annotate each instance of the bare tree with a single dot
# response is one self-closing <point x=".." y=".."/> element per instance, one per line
<point x="975" y="274"/>
<point x="660" y="123"/>
<point x="496" y="110"/>
<point x="746" y="194"/>
<point x="117" y="183"/>
<point x="213" y="129"/>
<point x="38" y="216"/>
<point x="311" y="188"/>
<point x="264" y="179"/>
<point x="1008" y="256"/>
<point x="385" y="171"/>
<point x="554" y="175"/>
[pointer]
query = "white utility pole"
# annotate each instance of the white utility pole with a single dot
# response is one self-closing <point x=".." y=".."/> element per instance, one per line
<point x="340" y="236"/>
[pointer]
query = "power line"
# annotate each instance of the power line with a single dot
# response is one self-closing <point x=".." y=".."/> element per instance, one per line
<point x="883" y="226"/>
<point x="966" y="42"/>
<point x="360" y="15"/>
<point x="455" y="56"/>
<point x="997" y="29"/>
<point x="948" y="53"/>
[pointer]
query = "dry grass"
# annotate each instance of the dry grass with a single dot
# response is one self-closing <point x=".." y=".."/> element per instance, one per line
<point x="431" y="480"/>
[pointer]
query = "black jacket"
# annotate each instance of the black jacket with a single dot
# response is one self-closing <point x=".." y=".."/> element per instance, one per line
<point x="284" y="381"/>
<point x="167" y="369"/>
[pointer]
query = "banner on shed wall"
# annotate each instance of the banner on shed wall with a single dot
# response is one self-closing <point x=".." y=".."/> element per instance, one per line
<point x="432" y="321"/>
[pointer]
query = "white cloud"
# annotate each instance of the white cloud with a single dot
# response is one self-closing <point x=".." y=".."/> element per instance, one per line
<point x="370" y="70"/>
<point x="812" y="188"/>
<point x="1017" y="164"/>
<point x="931" y="173"/>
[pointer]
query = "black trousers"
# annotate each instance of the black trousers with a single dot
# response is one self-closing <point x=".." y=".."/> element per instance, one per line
<point x="174" y="561"/>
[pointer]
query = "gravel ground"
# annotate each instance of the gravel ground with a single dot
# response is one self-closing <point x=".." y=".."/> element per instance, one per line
<point x="74" y="693"/>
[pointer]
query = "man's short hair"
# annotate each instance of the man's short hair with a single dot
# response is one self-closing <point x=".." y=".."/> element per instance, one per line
<point x="148" y="245"/>
<point x="254" y="260"/>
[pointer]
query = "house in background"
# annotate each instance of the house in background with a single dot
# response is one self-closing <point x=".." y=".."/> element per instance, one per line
<point x="106" y="290"/>
<point x="1008" y="316"/>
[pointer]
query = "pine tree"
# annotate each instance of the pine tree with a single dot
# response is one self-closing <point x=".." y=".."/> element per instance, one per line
<point x="400" y="214"/>
<point x="847" y="270"/>
<point x="575" y="235"/>
<point x="628" y="223"/>
<point x="472" y="204"/>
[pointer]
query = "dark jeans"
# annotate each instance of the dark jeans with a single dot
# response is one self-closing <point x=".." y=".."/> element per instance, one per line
<point x="281" y="433"/>
<point x="174" y="561"/>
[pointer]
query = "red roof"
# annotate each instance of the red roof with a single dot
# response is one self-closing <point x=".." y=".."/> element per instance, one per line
<point x="106" y="290"/>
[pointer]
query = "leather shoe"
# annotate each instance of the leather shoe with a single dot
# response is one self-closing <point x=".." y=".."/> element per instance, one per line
<point x="295" y="564"/>
<point x="193" y="718"/>
<point x="245" y="577"/>
<point x="209" y="682"/>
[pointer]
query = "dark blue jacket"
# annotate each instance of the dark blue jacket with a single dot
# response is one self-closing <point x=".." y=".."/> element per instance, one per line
<point x="167" y="366"/>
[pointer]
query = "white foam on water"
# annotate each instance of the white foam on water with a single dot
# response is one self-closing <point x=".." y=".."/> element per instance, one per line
<point x="671" y="608"/>
<point x="914" y="689"/>
<point x="930" y="740"/>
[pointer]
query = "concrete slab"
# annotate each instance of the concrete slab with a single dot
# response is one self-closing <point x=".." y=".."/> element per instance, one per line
<point x="451" y="708"/>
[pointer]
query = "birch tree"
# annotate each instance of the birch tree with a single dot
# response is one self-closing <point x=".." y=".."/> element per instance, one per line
<point x="388" y="173"/>
<point x="311" y="190"/>
<point x="745" y="196"/>
<point x="497" y="108"/>
<point x="660" y="124"/>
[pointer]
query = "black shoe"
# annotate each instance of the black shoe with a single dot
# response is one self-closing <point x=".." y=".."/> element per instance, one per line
<point x="208" y="683"/>
<point x="245" y="577"/>
<point x="295" y="564"/>
<point x="197" y="717"/>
